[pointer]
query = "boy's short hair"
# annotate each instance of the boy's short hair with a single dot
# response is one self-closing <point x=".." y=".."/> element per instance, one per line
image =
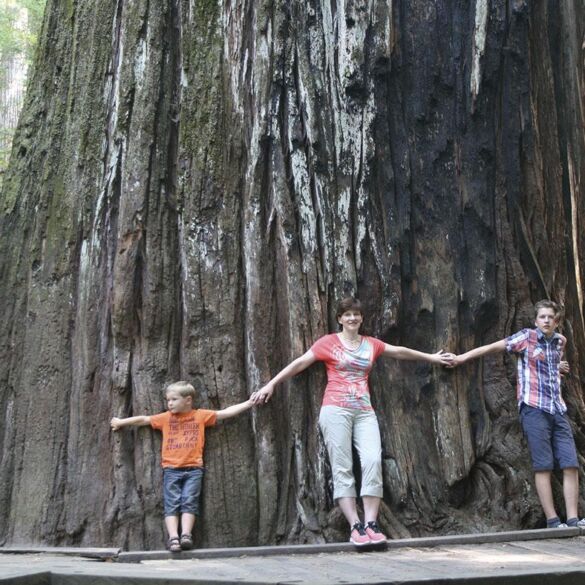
<point x="546" y="304"/>
<point x="182" y="388"/>
<point x="348" y="304"/>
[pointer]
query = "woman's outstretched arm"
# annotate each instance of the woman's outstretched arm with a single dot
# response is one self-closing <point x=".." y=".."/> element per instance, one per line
<point x="294" y="368"/>
<point x="441" y="358"/>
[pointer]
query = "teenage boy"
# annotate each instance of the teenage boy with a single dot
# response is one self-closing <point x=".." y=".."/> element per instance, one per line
<point x="542" y="408"/>
<point x="183" y="438"/>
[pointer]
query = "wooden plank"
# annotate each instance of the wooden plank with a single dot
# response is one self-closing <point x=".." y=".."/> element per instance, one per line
<point x="311" y="549"/>
<point x="571" y="549"/>
<point x="92" y="553"/>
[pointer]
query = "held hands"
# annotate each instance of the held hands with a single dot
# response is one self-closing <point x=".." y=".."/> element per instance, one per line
<point x="443" y="358"/>
<point x="456" y="360"/>
<point x="263" y="395"/>
<point x="564" y="368"/>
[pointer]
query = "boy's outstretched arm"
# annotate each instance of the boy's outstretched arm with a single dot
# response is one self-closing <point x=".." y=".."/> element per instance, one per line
<point x="233" y="410"/>
<point x="478" y="352"/>
<point x="132" y="421"/>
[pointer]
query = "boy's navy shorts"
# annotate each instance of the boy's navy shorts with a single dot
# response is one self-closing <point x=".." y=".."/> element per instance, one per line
<point x="181" y="490"/>
<point x="550" y="439"/>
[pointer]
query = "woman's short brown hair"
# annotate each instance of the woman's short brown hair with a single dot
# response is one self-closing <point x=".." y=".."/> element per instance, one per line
<point x="348" y="304"/>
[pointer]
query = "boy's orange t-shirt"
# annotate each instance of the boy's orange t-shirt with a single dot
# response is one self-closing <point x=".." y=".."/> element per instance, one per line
<point x="183" y="436"/>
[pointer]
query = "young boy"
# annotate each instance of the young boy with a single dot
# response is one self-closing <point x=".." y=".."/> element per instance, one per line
<point x="183" y="430"/>
<point x="542" y="408"/>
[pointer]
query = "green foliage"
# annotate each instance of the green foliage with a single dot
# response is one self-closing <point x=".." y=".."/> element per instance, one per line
<point x="20" y="23"/>
<point x="9" y="36"/>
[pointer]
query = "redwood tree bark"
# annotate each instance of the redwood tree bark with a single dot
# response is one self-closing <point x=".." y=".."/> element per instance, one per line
<point x="193" y="186"/>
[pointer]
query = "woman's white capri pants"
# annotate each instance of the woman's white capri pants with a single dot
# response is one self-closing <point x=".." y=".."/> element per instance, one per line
<point x="341" y="427"/>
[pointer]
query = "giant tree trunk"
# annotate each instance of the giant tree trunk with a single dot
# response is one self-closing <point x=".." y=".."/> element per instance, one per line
<point x="194" y="184"/>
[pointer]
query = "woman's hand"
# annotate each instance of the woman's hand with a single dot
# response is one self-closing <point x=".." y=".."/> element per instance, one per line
<point x="263" y="395"/>
<point x="564" y="368"/>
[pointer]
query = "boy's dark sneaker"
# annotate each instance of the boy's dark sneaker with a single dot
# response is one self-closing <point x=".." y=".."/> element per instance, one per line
<point x="576" y="523"/>
<point x="374" y="533"/>
<point x="186" y="541"/>
<point x="555" y="523"/>
<point x="174" y="545"/>
<point x="358" y="535"/>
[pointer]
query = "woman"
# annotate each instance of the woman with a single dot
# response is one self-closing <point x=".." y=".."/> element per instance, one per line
<point x="347" y="416"/>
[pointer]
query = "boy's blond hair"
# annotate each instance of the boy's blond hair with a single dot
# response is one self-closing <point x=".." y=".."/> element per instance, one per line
<point x="546" y="304"/>
<point x="182" y="388"/>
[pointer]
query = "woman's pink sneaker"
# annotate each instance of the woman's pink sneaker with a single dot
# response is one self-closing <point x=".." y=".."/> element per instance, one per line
<point x="358" y="535"/>
<point x="375" y="535"/>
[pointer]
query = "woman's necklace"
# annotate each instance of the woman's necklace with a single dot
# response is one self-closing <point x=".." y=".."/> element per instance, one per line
<point x="353" y="343"/>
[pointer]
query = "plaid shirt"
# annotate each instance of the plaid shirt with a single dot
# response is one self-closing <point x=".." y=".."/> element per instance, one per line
<point x="539" y="379"/>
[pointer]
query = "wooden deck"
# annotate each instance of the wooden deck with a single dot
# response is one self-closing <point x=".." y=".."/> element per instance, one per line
<point x="539" y="557"/>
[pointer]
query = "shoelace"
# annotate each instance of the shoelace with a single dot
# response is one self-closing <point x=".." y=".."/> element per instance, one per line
<point x="360" y="528"/>
<point x="373" y="526"/>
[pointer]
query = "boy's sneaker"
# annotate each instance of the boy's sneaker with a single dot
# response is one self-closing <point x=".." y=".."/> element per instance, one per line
<point x="555" y="523"/>
<point x="374" y="533"/>
<point x="576" y="523"/>
<point x="358" y="535"/>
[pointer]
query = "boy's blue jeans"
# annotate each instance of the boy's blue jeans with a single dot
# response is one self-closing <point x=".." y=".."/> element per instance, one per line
<point x="550" y="439"/>
<point x="181" y="490"/>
